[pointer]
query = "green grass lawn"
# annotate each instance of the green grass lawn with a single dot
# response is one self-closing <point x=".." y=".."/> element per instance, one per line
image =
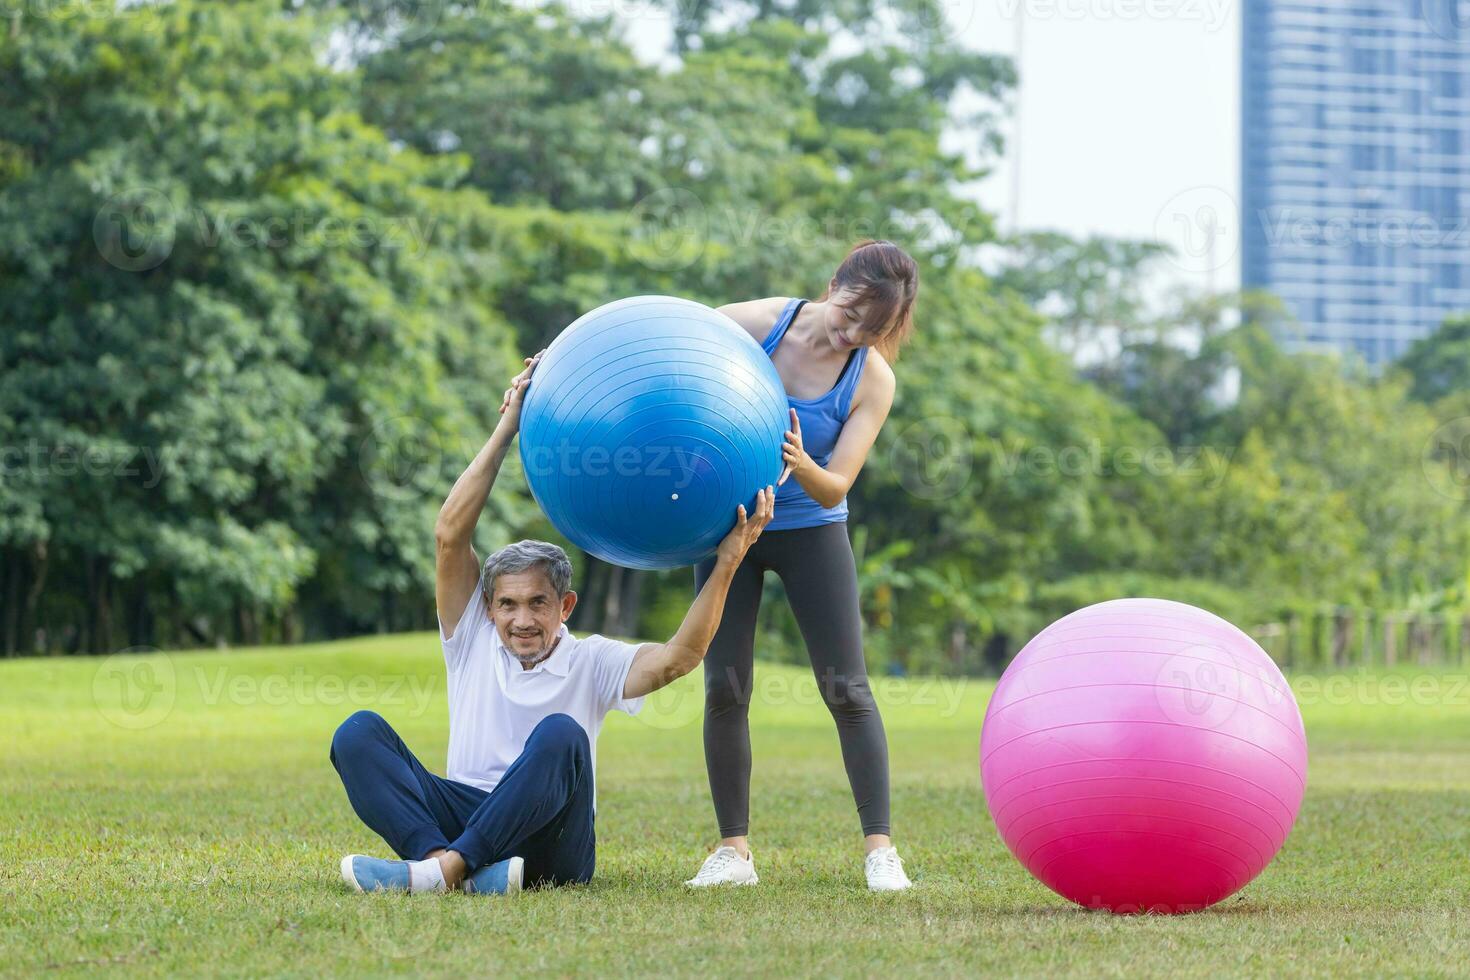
<point x="177" y="815"/>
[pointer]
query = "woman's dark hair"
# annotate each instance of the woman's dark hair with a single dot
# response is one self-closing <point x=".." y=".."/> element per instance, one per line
<point x="886" y="278"/>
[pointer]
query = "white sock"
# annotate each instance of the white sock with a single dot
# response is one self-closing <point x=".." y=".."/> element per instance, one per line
<point x="426" y="876"/>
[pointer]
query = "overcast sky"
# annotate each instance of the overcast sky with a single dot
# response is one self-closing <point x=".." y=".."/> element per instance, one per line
<point x="1128" y="116"/>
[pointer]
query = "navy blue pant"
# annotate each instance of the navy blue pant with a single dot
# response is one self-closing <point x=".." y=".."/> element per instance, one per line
<point x="540" y="811"/>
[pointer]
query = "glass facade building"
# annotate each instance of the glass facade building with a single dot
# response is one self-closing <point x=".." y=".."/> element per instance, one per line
<point x="1355" y="167"/>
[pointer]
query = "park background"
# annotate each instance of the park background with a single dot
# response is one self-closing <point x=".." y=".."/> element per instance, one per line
<point x="265" y="268"/>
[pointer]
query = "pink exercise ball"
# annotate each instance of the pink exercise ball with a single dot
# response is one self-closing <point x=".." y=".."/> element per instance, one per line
<point x="1142" y="755"/>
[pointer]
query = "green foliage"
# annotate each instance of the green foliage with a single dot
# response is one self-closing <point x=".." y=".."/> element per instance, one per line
<point x="1363" y="441"/>
<point x="1053" y="600"/>
<point x="262" y="267"/>
<point x="1084" y="287"/>
<point x="214" y="268"/>
<point x="549" y="109"/>
<point x="1439" y="364"/>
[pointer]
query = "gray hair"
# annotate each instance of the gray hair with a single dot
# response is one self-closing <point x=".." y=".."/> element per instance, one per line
<point x="524" y="556"/>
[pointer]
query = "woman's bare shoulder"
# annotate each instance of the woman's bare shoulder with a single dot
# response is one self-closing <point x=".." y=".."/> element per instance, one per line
<point x="878" y="382"/>
<point x="757" y="316"/>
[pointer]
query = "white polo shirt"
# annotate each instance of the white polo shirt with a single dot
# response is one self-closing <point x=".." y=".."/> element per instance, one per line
<point x="494" y="703"/>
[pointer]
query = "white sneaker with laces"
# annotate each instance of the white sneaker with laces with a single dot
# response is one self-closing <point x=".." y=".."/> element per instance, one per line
<point x="725" y="867"/>
<point x="885" y="870"/>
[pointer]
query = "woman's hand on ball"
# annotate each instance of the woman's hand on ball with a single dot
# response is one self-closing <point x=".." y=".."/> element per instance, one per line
<point x="510" y="403"/>
<point x="747" y="529"/>
<point x="793" y="453"/>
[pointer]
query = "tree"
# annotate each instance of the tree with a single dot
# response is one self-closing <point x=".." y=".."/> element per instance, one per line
<point x="1439" y="364"/>
<point x="748" y="169"/>
<point x="262" y="267"/>
<point x="247" y="314"/>
<point x="1091" y="290"/>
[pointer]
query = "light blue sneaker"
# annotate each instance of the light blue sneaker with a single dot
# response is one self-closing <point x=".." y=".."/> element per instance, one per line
<point x="370" y="874"/>
<point x="501" y="878"/>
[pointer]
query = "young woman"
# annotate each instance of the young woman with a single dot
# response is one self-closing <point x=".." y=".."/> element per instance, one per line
<point x="834" y="356"/>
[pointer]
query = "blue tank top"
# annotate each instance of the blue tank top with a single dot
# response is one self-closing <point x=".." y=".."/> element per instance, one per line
<point x="821" y="423"/>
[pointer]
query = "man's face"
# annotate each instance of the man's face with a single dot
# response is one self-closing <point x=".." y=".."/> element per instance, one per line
<point x="527" y="613"/>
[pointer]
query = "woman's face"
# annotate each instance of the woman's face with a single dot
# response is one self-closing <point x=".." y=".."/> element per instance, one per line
<point x="846" y="324"/>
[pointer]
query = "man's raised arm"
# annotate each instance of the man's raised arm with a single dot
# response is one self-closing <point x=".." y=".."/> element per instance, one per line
<point x="658" y="664"/>
<point x="457" y="569"/>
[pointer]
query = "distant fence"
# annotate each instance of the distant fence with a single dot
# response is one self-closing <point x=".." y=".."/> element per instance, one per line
<point x="1349" y="637"/>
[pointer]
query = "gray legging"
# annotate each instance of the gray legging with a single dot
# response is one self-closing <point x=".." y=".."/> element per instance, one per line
<point x="817" y="568"/>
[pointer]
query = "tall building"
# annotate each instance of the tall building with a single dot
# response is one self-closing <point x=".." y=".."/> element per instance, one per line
<point x="1355" y="169"/>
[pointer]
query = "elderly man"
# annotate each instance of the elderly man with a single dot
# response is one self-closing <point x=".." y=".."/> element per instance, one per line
<point x="526" y="701"/>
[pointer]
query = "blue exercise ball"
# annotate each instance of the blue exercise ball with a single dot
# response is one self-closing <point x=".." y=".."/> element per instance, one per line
<point x="646" y="423"/>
